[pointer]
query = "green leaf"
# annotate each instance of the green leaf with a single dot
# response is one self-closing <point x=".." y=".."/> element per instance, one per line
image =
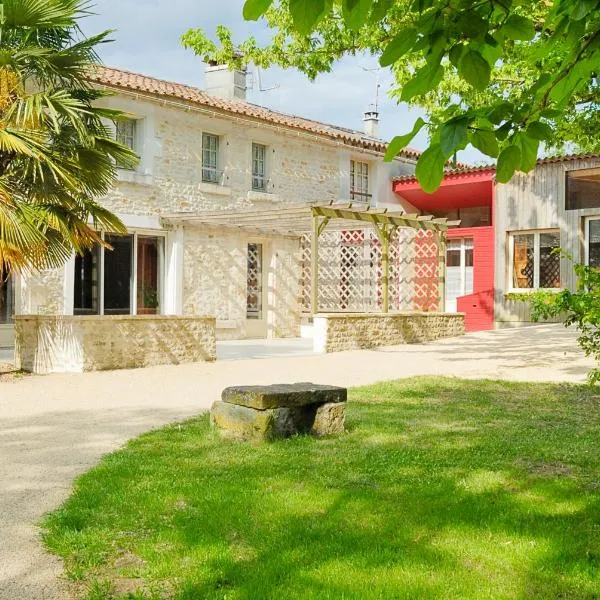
<point x="437" y="48"/>
<point x="503" y="131"/>
<point x="508" y="162"/>
<point x="455" y="54"/>
<point x="401" y="141"/>
<point x="380" y="10"/>
<point x="430" y="168"/>
<point x="356" y="12"/>
<point x="424" y="81"/>
<point x="529" y="149"/>
<point x="398" y="47"/>
<point x="453" y="135"/>
<point x="475" y="70"/>
<point x="500" y="112"/>
<point x="551" y="113"/>
<point x="539" y="130"/>
<point x="485" y="141"/>
<point x="518" y="28"/>
<point x="307" y="13"/>
<point x="541" y="84"/>
<point x="582" y="8"/>
<point x="254" y="9"/>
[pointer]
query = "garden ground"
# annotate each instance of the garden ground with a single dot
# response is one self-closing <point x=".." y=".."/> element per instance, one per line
<point x="54" y="428"/>
<point x="440" y="489"/>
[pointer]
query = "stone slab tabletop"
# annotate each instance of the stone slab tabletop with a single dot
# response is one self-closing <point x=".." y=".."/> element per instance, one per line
<point x="283" y="395"/>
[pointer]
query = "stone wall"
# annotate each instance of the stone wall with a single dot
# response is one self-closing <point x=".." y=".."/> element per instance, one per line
<point x="339" y="332"/>
<point x="59" y="344"/>
<point x="215" y="265"/>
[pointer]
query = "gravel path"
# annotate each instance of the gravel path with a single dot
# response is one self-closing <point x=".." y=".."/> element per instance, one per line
<point x="54" y="428"/>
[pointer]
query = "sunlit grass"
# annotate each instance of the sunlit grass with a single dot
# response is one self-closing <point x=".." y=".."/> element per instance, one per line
<point x="441" y="488"/>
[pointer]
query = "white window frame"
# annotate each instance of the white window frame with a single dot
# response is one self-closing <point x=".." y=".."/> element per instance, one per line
<point x="259" y="176"/>
<point x="130" y="141"/>
<point x="536" y="259"/>
<point x="134" y="275"/>
<point x="466" y="243"/>
<point x="586" y="245"/>
<point x="206" y="137"/>
<point x="360" y="193"/>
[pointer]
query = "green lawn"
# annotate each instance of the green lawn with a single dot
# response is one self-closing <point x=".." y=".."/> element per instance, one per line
<point x="442" y="488"/>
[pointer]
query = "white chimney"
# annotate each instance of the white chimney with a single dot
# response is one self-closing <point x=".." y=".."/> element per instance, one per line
<point x="226" y="83"/>
<point x="371" y="120"/>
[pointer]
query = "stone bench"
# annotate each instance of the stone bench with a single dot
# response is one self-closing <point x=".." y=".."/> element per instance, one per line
<point x="278" y="411"/>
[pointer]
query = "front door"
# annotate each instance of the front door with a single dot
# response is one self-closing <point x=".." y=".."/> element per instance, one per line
<point x="256" y="322"/>
<point x="459" y="271"/>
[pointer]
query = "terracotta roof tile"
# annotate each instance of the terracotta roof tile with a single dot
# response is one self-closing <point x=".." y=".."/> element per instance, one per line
<point x="120" y="79"/>
<point x="492" y="167"/>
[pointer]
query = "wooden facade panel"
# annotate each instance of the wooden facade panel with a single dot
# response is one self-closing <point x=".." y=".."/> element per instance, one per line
<point x="530" y="202"/>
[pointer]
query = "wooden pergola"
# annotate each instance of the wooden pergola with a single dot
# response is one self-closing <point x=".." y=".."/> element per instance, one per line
<point x="296" y="220"/>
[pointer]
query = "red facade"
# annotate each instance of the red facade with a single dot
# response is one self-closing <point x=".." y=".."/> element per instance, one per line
<point x="466" y="191"/>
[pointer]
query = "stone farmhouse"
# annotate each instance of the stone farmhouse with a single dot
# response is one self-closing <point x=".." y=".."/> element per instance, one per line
<point x="208" y="150"/>
<point x="220" y="229"/>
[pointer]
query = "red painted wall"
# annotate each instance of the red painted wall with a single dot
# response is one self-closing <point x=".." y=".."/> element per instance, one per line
<point x="479" y="306"/>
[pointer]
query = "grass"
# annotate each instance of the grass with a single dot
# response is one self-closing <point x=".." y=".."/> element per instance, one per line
<point x="442" y="488"/>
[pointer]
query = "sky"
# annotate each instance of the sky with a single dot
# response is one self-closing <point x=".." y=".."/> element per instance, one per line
<point x="146" y="39"/>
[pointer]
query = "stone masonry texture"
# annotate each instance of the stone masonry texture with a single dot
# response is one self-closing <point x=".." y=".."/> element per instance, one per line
<point x="362" y="331"/>
<point x="53" y="344"/>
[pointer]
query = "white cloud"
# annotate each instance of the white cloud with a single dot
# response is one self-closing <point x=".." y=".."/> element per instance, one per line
<point x="146" y="40"/>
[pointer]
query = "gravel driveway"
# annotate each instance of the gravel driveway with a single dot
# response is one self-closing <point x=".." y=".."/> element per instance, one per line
<point x="53" y="428"/>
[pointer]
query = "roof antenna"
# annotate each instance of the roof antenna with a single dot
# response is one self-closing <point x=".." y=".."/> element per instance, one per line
<point x="259" y="81"/>
<point x="371" y="116"/>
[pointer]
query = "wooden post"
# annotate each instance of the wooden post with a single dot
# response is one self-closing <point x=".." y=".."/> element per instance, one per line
<point x="314" y="266"/>
<point x="442" y="270"/>
<point x="385" y="267"/>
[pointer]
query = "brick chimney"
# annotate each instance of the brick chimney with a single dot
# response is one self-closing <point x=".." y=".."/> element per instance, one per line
<point x="226" y="83"/>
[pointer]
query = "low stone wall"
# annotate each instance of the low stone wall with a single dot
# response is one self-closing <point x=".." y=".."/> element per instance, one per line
<point x="337" y="332"/>
<point x="67" y="344"/>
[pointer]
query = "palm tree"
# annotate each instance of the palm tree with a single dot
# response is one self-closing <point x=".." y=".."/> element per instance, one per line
<point x="57" y="155"/>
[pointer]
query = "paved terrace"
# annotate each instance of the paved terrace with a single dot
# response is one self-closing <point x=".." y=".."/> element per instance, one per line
<point x="54" y="428"/>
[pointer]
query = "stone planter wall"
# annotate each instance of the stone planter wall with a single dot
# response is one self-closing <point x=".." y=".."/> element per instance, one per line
<point x="63" y="344"/>
<point x="336" y="332"/>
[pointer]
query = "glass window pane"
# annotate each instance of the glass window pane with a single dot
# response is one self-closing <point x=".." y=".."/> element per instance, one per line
<point x="126" y="132"/>
<point x="254" y="282"/>
<point x="210" y="158"/>
<point x="117" y="275"/>
<point x="359" y="181"/>
<point x="523" y="261"/>
<point x="475" y="216"/>
<point x="7" y="300"/>
<point x="149" y="253"/>
<point x="453" y="258"/>
<point x="583" y="189"/>
<point x="86" y="283"/>
<point x="259" y="181"/>
<point x="594" y="243"/>
<point x="549" y="261"/>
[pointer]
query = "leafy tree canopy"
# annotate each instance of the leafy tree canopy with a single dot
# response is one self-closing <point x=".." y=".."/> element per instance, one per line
<point x="57" y="155"/>
<point x="506" y="76"/>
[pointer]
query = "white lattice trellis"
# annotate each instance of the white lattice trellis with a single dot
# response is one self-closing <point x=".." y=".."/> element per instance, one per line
<point x="350" y="271"/>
